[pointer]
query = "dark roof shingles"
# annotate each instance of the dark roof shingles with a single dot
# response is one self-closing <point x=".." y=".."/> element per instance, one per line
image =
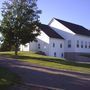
<point x="75" y="28"/>
<point x="49" y="31"/>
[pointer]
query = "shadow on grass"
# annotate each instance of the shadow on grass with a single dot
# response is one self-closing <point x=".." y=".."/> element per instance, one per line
<point x="7" y="55"/>
<point x="65" y="62"/>
<point x="8" y="78"/>
<point x="48" y="59"/>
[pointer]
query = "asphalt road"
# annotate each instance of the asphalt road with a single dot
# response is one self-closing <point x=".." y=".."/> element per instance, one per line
<point x="47" y="78"/>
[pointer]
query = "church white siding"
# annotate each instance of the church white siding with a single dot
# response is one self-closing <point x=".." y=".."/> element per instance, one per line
<point x="68" y="43"/>
<point x="56" y="47"/>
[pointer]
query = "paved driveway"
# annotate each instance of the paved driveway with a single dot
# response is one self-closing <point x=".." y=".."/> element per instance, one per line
<point x="50" y="79"/>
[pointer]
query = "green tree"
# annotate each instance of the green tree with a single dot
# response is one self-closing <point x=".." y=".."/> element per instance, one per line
<point x="20" y="21"/>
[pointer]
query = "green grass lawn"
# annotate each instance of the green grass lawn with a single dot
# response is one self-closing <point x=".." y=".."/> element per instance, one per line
<point x="7" y="78"/>
<point x="49" y="61"/>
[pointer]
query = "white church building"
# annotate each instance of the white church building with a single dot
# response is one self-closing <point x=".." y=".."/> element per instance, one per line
<point x="61" y="39"/>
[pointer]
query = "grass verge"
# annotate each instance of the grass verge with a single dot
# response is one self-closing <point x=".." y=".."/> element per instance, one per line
<point x="47" y="61"/>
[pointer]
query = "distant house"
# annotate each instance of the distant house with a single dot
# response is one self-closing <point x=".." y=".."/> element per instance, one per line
<point x="61" y="39"/>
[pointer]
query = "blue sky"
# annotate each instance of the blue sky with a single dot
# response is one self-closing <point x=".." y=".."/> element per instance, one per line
<point x="75" y="11"/>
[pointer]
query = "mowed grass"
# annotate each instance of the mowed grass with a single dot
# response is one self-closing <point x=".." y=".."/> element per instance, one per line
<point x="7" y="78"/>
<point x="47" y="61"/>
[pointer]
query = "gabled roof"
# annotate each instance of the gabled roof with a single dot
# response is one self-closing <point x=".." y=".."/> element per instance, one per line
<point x="78" y="29"/>
<point x="49" y="31"/>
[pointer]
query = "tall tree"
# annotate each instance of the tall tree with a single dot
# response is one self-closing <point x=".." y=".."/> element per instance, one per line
<point x="20" y="21"/>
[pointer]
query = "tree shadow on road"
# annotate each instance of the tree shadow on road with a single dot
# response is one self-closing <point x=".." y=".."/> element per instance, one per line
<point x="42" y="78"/>
<point x="48" y="59"/>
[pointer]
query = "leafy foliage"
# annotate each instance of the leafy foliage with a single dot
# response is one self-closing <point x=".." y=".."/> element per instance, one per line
<point x="20" y="21"/>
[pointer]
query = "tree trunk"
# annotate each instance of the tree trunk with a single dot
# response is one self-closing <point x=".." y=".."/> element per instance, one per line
<point x="16" y="52"/>
<point x="16" y="49"/>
